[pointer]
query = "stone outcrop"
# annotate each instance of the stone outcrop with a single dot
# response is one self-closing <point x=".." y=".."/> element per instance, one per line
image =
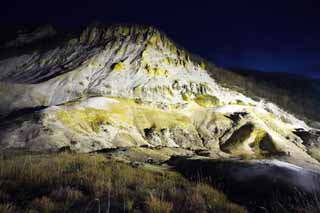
<point x="123" y="86"/>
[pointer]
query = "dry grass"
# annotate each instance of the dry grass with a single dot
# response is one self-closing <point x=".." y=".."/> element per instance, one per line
<point x="156" y="205"/>
<point x="7" y="208"/>
<point x="93" y="183"/>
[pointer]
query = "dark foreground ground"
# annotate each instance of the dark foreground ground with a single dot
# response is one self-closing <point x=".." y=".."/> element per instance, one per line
<point x="95" y="183"/>
<point x="260" y="185"/>
<point x="65" y="182"/>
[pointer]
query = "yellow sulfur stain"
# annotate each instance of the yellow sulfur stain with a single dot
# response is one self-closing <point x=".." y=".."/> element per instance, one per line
<point x="161" y="72"/>
<point x="125" y="31"/>
<point x="125" y="113"/>
<point x="203" y="65"/>
<point x="150" y="70"/>
<point x="86" y="120"/>
<point x="155" y="40"/>
<point x="119" y="67"/>
<point x="206" y="100"/>
<point x="186" y="96"/>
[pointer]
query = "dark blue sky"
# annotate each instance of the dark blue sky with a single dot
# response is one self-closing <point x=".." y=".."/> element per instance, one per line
<point x="282" y="35"/>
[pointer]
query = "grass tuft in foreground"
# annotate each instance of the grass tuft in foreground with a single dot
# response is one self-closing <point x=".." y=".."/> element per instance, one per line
<point x="94" y="183"/>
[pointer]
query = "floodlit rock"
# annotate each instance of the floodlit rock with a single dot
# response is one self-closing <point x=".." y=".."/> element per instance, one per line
<point x="205" y="153"/>
<point x="128" y="86"/>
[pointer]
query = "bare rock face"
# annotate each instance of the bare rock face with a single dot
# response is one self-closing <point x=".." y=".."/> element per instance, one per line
<point x="123" y="86"/>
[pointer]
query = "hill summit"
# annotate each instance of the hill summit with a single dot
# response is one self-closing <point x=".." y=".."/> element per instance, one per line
<point x="130" y="86"/>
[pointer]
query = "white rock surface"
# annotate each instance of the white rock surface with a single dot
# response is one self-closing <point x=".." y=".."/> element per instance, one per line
<point x="131" y="86"/>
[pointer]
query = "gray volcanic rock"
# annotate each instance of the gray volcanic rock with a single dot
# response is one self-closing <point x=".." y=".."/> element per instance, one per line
<point x="255" y="183"/>
<point x="123" y="86"/>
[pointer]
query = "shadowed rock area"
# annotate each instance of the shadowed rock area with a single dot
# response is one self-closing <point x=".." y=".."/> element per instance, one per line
<point x="255" y="184"/>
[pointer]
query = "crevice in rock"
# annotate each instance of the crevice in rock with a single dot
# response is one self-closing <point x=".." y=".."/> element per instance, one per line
<point x="237" y="116"/>
<point x="18" y="113"/>
<point x="238" y="137"/>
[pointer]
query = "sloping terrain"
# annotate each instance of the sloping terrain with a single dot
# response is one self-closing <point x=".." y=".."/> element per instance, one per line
<point x="297" y="94"/>
<point x="94" y="183"/>
<point x="129" y="86"/>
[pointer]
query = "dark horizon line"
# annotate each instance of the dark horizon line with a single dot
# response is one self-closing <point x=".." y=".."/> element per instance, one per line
<point x="297" y="74"/>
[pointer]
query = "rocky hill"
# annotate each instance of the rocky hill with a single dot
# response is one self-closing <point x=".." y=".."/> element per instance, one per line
<point x="130" y="86"/>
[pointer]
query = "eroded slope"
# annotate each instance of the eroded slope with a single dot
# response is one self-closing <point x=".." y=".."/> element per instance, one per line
<point x="130" y="86"/>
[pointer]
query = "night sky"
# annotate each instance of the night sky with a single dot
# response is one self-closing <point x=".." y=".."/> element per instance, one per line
<point x="282" y="35"/>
